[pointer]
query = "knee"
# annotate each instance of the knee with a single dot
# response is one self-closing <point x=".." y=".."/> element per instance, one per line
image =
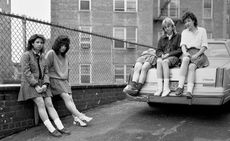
<point x="137" y="67"/>
<point x="165" y="62"/>
<point x="49" y="104"/>
<point x="66" y="97"/>
<point x="192" y="67"/>
<point x="145" y="67"/>
<point x="159" y="61"/>
<point x="40" y="102"/>
<point x="185" y="59"/>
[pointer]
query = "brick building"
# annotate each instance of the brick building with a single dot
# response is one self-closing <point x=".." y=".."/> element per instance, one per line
<point x="131" y="20"/>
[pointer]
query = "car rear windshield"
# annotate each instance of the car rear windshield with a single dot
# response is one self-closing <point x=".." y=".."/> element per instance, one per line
<point x="217" y="50"/>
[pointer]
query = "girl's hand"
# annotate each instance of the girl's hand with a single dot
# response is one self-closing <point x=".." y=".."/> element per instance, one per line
<point x="186" y="54"/>
<point x="44" y="88"/>
<point x="38" y="89"/>
<point x="165" y="56"/>
<point x="194" y="57"/>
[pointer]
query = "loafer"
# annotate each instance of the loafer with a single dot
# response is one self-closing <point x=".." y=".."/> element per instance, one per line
<point x="55" y="133"/>
<point x="65" y="131"/>
<point x="188" y="95"/>
<point x="179" y="91"/>
<point x="130" y="90"/>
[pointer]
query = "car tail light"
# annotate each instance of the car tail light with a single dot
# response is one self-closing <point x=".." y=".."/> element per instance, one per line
<point x="219" y="77"/>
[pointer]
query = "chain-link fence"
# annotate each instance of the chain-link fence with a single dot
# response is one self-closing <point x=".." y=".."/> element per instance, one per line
<point x="94" y="59"/>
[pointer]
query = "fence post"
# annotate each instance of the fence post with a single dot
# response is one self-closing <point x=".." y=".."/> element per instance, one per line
<point x="24" y="31"/>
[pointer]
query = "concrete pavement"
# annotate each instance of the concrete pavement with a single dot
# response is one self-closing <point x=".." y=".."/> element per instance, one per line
<point x="106" y="118"/>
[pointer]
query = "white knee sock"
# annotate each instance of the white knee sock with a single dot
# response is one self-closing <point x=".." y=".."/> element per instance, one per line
<point x="58" y="123"/>
<point x="181" y="81"/>
<point x="159" y="87"/>
<point x="49" y="125"/>
<point x="166" y="84"/>
<point x="190" y="87"/>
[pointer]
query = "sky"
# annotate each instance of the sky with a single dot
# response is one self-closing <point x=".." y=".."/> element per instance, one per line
<point x="39" y="9"/>
<point x="35" y="9"/>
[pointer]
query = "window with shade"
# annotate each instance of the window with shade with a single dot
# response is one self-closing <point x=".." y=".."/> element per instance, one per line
<point x="84" y="5"/>
<point x="207" y="8"/>
<point x="169" y="8"/>
<point x="125" y="5"/>
<point x="122" y="73"/>
<point x="85" y="39"/>
<point x="85" y="73"/>
<point x="124" y="33"/>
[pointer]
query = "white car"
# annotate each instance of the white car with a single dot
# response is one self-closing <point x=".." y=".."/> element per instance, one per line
<point x="212" y="84"/>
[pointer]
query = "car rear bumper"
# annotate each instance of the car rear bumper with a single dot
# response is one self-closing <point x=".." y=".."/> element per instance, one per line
<point x="196" y="100"/>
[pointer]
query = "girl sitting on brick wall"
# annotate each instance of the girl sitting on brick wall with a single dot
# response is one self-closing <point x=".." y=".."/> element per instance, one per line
<point x="58" y="65"/>
<point x="35" y="84"/>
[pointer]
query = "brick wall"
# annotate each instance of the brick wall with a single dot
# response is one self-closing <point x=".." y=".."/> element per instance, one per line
<point x="17" y="116"/>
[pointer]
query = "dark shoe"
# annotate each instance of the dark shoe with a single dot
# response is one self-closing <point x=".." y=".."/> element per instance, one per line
<point x="188" y="95"/>
<point x="130" y="90"/>
<point x="55" y="133"/>
<point x="65" y="131"/>
<point x="139" y="86"/>
<point x="179" y="91"/>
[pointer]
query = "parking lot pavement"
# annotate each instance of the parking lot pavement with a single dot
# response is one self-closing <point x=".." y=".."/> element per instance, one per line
<point x="106" y="118"/>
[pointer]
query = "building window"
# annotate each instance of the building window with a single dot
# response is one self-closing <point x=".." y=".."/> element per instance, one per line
<point x="85" y="5"/>
<point x="122" y="73"/>
<point x="207" y="8"/>
<point x="85" y="39"/>
<point x="169" y="8"/>
<point x="125" y="5"/>
<point x="85" y="73"/>
<point x="125" y="33"/>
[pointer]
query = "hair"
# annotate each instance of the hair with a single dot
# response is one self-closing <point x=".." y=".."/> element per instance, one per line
<point x="32" y="40"/>
<point x="168" y="22"/>
<point x="191" y="16"/>
<point x="60" y="41"/>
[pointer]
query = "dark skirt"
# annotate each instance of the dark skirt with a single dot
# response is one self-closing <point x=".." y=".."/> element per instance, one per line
<point x="59" y="86"/>
<point x="147" y="58"/>
<point x="201" y="61"/>
<point x="28" y="92"/>
<point x="173" y="61"/>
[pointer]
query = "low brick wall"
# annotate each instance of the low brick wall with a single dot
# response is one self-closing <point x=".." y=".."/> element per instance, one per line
<point x="17" y="116"/>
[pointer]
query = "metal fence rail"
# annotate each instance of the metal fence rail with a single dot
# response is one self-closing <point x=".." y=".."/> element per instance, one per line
<point x="93" y="59"/>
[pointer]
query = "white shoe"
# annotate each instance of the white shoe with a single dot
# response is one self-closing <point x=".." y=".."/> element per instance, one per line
<point x="165" y="93"/>
<point x="85" y="118"/>
<point x="79" y="122"/>
<point x="158" y="93"/>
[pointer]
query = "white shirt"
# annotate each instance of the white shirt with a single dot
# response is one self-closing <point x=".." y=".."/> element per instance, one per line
<point x="195" y="39"/>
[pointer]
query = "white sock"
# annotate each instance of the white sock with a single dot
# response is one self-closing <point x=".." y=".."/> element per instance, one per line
<point x="181" y="81"/>
<point x="159" y="87"/>
<point x="49" y="125"/>
<point x="58" y="123"/>
<point x="190" y="87"/>
<point x="166" y="84"/>
<point x="159" y="84"/>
